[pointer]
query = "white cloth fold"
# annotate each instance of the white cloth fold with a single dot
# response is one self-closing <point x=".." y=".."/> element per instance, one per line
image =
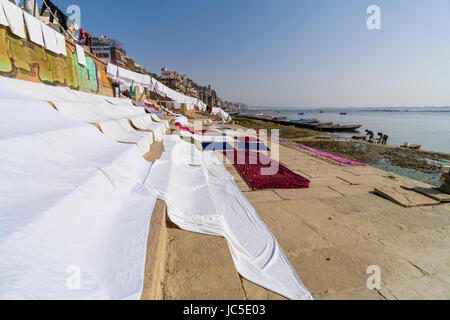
<point x="75" y="214"/>
<point x="211" y="203"/>
<point x="145" y="122"/>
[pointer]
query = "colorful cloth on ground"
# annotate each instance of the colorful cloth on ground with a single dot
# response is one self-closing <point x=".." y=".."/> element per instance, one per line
<point x="252" y="146"/>
<point x="247" y="139"/>
<point x="261" y="172"/>
<point x="149" y="107"/>
<point x="330" y="158"/>
<point x="216" y="146"/>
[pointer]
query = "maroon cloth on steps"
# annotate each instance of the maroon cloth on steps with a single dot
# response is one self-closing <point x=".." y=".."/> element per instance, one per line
<point x="247" y="139"/>
<point x="249" y="165"/>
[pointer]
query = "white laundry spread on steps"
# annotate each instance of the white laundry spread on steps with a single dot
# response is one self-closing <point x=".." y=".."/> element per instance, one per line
<point x="157" y="119"/>
<point x="112" y="119"/>
<point x="202" y="197"/>
<point x="121" y="130"/>
<point x="144" y="122"/>
<point x="73" y="204"/>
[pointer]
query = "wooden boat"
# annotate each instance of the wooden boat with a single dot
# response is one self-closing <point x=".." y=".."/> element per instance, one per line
<point x="304" y="120"/>
<point x="343" y="113"/>
<point x="314" y="126"/>
<point x="336" y="127"/>
<point x="301" y="113"/>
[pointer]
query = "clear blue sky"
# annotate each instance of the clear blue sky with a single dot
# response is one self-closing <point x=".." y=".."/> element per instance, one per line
<point x="289" y="53"/>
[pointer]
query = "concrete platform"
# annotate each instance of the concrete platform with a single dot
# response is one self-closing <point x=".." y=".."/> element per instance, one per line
<point x="331" y="233"/>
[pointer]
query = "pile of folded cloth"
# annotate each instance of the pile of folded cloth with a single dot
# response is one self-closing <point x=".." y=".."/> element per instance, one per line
<point x="445" y="179"/>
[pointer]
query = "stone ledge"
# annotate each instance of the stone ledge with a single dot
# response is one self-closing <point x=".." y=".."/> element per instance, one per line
<point x="156" y="253"/>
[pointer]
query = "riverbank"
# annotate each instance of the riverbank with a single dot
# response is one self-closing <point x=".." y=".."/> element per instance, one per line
<point x="416" y="164"/>
<point x="337" y="226"/>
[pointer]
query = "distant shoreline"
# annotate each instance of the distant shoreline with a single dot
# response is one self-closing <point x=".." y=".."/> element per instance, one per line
<point x="444" y="109"/>
<point x="420" y="164"/>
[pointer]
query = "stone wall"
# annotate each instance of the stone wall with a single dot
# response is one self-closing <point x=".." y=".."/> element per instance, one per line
<point x="24" y="60"/>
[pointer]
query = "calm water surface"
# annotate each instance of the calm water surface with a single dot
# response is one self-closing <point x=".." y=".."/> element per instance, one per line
<point x="429" y="129"/>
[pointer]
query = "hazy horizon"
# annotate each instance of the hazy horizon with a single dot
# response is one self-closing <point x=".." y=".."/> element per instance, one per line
<point x="344" y="108"/>
<point x="295" y="52"/>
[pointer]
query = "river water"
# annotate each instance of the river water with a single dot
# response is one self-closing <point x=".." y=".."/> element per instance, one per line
<point x="429" y="129"/>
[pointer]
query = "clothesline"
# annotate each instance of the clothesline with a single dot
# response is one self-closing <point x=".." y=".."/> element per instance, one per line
<point x="129" y="78"/>
<point x="38" y="32"/>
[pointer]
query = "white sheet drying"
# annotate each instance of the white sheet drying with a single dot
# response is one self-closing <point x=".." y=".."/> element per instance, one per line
<point x="157" y="119"/>
<point x="34" y="29"/>
<point x="202" y="197"/>
<point x="111" y="71"/>
<point x="61" y="43"/>
<point x="145" y="122"/>
<point x="50" y="41"/>
<point x="121" y="130"/>
<point x="72" y="204"/>
<point x="80" y="55"/>
<point x="3" y="20"/>
<point x="113" y="121"/>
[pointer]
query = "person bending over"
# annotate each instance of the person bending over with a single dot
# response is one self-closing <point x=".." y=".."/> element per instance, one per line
<point x="370" y="134"/>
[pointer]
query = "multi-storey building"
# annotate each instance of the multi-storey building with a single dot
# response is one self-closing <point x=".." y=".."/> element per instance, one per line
<point x="109" y="50"/>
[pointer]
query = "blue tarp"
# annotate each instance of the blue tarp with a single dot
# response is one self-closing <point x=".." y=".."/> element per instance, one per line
<point x="216" y="146"/>
<point x="252" y="146"/>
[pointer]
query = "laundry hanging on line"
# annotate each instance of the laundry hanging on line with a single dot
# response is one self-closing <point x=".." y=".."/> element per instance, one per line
<point x="55" y="11"/>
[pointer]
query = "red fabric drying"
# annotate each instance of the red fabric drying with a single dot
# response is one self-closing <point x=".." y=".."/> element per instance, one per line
<point x="249" y="165"/>
<point x="183" y="128"/>
<point x="246" y="139"/>
<point x="152" y="106"/>
<point x="198" y="132"/>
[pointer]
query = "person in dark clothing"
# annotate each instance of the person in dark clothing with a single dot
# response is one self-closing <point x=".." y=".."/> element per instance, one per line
<point x="62" y="18"/>
<point x="380" y="136"/>
<point x="383" y="137"/>
<point x="370" y="134"/>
